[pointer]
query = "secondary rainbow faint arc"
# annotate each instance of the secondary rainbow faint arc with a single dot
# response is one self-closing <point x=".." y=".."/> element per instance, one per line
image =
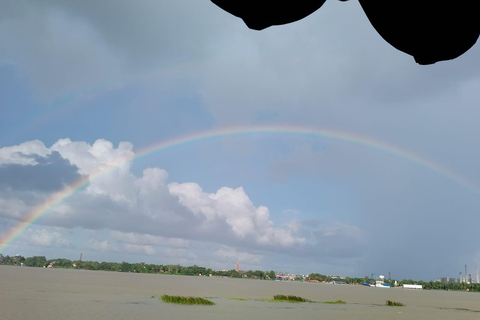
<point x="369" y="142"/>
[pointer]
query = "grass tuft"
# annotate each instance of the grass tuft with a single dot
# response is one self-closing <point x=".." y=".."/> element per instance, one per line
<point x="335" y="302"/>
<point x="394" y="303"/>
<point x="282" y="297"/>
<point x="186" y="300"/>
<point x="238" y="299"/>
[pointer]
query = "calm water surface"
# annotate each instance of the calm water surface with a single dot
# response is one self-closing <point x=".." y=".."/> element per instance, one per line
<point x="37" y="293"/>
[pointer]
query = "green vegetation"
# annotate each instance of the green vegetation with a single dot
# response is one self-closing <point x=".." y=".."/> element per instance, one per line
<point x="141" y="267"/>
<point x="37" y="261"/>
<point x="186" y="300"/>
<point x="335" y="302"/>
<point x="282" y="297"/>
<point x="176" y="269"/>
<point x="394" y="303"/>
<point x="238" y="299"/>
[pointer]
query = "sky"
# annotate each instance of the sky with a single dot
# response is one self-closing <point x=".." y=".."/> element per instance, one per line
<point x="168" y="132"/>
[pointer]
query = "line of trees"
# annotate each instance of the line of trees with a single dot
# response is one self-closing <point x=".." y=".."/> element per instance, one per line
<point x="141" y="267"/>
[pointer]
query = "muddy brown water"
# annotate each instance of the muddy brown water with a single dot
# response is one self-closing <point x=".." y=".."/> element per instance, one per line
<point x="37" y="293"/>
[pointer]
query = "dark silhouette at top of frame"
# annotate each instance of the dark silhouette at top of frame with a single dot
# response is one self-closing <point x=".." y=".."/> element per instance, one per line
<point x="429" y="30"/>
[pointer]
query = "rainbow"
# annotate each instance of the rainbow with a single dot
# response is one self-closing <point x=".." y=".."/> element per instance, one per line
<point x="369" y="142"/>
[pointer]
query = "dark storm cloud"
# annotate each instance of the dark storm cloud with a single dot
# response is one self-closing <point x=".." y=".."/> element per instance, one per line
<point x="50" y="173"/>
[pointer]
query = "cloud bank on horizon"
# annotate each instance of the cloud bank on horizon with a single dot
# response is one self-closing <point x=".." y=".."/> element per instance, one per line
<point x="112" y="75"/>
<point x="141" y="213"/>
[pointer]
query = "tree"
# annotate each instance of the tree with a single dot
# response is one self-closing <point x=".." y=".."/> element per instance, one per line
<point x="36" y="261"/>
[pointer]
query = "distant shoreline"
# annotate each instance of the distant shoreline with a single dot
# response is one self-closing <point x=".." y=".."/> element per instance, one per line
<point x="141" y="267"/>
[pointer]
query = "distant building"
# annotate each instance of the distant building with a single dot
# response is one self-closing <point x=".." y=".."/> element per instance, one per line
<point x="412" y="286"/>
<point x="285" y="277"/>
<point x="240" y="272"/>
<point x="447" y="280"/>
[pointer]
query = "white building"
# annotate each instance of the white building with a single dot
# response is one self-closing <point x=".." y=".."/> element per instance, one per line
<point x="412" y="286"/>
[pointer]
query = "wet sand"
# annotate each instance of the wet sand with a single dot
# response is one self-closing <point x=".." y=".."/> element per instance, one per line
<point x="37" y="293"/>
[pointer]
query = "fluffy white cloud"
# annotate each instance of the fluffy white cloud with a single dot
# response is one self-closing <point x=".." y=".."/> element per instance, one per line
<point x="21" y="154"/>
<point x="146" y="212"/>
<point x="143" y="212"/>
<point x="99" y="156"/>
<point x="234" y="207"/>
<point x="89" y="159"/>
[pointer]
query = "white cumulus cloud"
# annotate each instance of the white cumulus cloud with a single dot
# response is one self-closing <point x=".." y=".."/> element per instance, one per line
<point x="19" y="154"/>
<point x="143" y="211"/>
<point x="234" y="207"/>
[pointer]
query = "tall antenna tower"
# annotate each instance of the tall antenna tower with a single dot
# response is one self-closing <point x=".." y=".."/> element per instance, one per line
<point x="477" y="274"/>
<point x="466" y="279"/>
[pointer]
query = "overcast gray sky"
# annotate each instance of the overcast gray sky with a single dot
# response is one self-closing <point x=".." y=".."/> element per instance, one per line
<point x="86" y="83"/>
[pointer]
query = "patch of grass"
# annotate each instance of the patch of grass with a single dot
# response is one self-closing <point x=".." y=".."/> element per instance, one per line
<point x="394" y="303"/>
<point x="186" y="300"/>
<point x="238" y="299"/>
<point x="335" y="302"/>
<point x="282" y="297"/>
